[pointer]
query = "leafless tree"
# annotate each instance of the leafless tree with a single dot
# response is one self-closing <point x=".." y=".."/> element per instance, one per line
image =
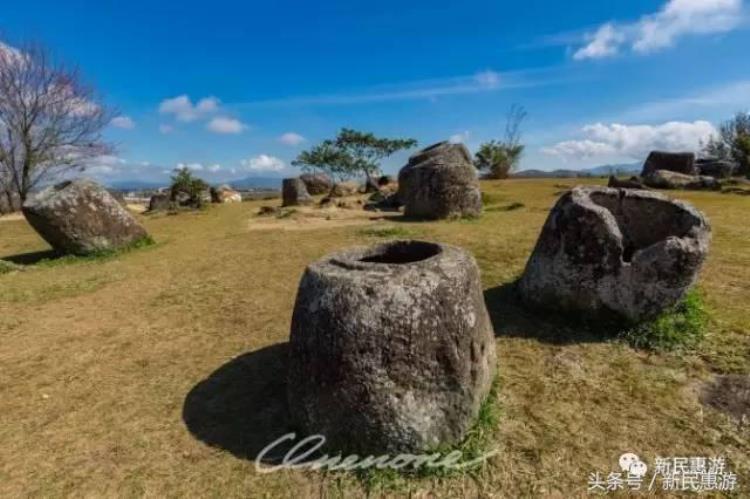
<point x="50" y="122"/>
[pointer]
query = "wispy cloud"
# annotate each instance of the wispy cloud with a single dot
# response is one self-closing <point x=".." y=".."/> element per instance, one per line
<point x="224" y="125"/>
<point x="124" y="122"/>
<point x="482" y="81"/>
<point x="183" y="109"/>
<point x="291" y="139"/>
<point x="263" y="163"/>
<point x="675" y="20"/>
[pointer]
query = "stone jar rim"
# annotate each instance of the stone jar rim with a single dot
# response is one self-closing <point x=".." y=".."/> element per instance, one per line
<point x="388" y="256"/>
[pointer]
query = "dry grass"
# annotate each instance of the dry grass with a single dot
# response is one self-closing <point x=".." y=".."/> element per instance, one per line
<point x="117" y="373"/>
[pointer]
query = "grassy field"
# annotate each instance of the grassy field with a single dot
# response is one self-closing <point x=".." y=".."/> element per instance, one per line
<point x="160" y="372"/>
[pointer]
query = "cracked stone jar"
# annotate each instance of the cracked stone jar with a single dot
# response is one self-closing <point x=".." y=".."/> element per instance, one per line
<point x="391" y="349"/>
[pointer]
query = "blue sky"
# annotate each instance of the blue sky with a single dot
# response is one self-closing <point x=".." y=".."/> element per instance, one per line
<point x="237" y="89"/>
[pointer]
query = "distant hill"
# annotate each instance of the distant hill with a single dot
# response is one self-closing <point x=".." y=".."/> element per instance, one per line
<point x="135" y="185"/>
<point x="597" y="171"/>
<point x="257" y="183"/>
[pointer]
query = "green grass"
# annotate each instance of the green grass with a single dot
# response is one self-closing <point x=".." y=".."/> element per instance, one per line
<point x="101" y="255"/>
<point x="387" y="232"/>
<point x="680" y="328"/>
<point x="8" y="267"/>
<point x="509" y="207"/>
<point x="478" y="442"/>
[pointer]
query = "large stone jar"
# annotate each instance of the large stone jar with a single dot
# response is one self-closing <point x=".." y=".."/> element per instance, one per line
<point x="615" y="254"/>
<point x="440" y="182"/>
<point x="392" y="349"/>
<point x="81" y="217"/>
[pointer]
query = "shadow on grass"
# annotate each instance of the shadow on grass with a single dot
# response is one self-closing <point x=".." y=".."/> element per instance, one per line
<point x="33" y="257"/>
<point x="241" y="407"/>
<point x="511" y="318"/>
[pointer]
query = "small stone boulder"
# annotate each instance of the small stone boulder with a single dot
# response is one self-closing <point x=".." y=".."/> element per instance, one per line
<point x="440" y="182"/>
<point x="678" y="162"/>
<point x="161" y="201"/>
<point x="615" y="253"/>
<point x="294" y="192"/>
<point x="631" y="183"/>
<point x="81" y="217"/>
<point x="343" y="189"/>
<point x="716" y="168"/>
<point x="225" y="194"/>
<point x="317" y="183"/>
<point x="664" y="179"/>
<point x="391" y="348"/>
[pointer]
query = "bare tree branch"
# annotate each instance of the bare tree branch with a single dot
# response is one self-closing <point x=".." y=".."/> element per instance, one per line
<point x="50" y="122"/>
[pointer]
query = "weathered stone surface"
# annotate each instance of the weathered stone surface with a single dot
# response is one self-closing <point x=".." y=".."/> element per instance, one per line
<point x="391" y="348"/>
<point x="294" y="192"/>
<point x="716" y="168"/>
<point x="225" y="194"/>
<point x="10" y="202"/>
<point x="631" y="183"/>
<point x="343" y="189"/>
<point x="81" y="217"/>
<point x="664" y="179"/>
<point x="317" y="183"/>
<point x="160" y="201"/>
<point x="679" y="162"/>
<point x="440" y="182"/>
<point x="615" y="253"/>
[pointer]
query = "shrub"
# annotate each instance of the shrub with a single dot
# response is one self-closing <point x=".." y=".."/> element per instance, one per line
<point x="188" y="186"/>
<point x="681" y="327"/>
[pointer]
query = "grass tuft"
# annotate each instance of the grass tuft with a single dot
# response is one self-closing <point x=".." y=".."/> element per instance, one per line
<point x="680" y="328"/>
<point x="7" y="267"/>
<point x="479" y="441"/>
<point x="386" y="232"/>
<point x="102" y="255"/>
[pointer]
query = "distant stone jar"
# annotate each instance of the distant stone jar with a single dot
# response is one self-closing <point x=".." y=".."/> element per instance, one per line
<point x="440" y="182"/>
<point x="81" y="217"/>
<point x="615" y="254"/>
<point x="317" y="183"/>
<point x="391" y="348"/>
<point x="294" y="192"/>
<point x="678" y="162"/>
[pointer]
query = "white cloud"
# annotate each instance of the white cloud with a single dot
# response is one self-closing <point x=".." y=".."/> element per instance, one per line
<point x="183" y="109"/>
<point x="633" y="141"/>
<point x="263" y="163"/>
<point x="125" y="122"/>
<point x="222" y="124"/>
<point x="190" y="166"/>
<point x="487" y="79"/>
<point x="165" y="129"/>
<point x="459" y="138"/>
<point x="676" y="19"/>
<point x="291" y="139"/>
<point x="214" y="168"/>
<point x="605" y="42"/>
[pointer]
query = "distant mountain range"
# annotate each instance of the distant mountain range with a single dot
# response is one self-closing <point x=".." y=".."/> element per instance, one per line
<point x="245" y="183"/>
<point x="597" y="171"/>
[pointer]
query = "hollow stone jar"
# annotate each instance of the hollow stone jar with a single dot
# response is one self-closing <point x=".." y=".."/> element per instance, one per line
<point x="392" y="349"/>
<point x="616" y="253"/>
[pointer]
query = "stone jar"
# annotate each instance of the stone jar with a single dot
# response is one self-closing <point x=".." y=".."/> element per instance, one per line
<point x="391" y="349"/>
<point x="615" y="253"/>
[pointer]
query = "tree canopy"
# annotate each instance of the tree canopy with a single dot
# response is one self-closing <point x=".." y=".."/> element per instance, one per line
<point x="351" y="153"/>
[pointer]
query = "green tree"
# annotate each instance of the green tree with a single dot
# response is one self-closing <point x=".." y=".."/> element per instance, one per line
<point x="500" y="157"/>
<point x="351" y="153"/>
<point x="733" y="142"/>
<point x="188" y="186"/>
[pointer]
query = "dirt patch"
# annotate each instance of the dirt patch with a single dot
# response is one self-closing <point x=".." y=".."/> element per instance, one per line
<point x="13" y="217"/>
<point x="315" y="217"/>
<point x="729" y="394"/>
